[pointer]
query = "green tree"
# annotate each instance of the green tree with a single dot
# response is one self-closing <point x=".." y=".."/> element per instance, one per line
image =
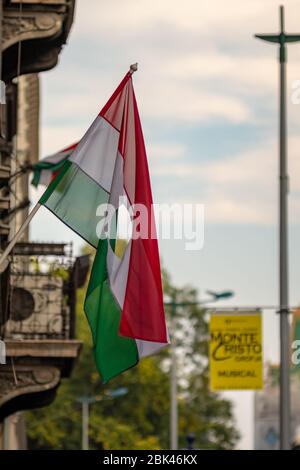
<point x="140" y="419"/>
<point x="201" y="412"/>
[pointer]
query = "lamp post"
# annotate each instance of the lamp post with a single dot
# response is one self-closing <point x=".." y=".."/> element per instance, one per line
<point x="215" y="296"/>
<point x="282" y="39"/>
<point x="86" y="401"/>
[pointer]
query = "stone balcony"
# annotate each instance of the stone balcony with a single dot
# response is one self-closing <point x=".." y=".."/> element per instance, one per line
<point x="33" y="371"/>
<point x="39" y="327"/>
<point x="42" y="26"/>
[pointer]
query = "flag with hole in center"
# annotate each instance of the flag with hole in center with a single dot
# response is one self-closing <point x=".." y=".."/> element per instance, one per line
<point x="124" y="301"/>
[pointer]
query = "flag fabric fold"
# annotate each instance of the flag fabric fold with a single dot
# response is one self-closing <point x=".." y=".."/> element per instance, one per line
<point x="124" y="301"/>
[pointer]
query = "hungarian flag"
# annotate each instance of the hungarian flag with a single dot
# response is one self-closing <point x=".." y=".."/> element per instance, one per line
<point x="45" y="170"/>
<point x="124" y="301"/>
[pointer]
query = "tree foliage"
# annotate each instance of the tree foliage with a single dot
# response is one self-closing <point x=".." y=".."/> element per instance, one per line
<point x="140" y="419"/>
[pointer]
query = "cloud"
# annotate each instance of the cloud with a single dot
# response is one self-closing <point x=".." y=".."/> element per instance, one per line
<point x="183" y="102"/>
<point x="199" y="65"/>
<point x="255" y="73"/>
<point x="162" y="98"/>
<point x="132" y="16"/>
<point x="239" y="189"/>
<point x="169" y="151"/>
<point x="198" y="62"/>
<point x="55" y="138"/>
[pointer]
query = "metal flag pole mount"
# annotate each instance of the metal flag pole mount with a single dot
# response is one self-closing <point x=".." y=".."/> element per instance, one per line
<point x="133" y="68"/>
<point x="285" y="413"/>
<point x="17" y="236"/>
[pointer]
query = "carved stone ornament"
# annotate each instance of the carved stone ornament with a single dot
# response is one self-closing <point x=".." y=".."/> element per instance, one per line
<point x="40" y="28"/>
<point x="30" y="27"/>
<point x="29" y="387"/>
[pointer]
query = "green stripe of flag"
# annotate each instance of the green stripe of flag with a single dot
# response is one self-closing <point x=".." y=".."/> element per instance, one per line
<point x="42" y="166"/>
<point x="113" y="353"/>
<point x="81" y="198"/>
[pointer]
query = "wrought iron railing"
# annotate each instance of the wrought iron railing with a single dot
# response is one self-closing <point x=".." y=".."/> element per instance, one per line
<point x="39" y="294"/>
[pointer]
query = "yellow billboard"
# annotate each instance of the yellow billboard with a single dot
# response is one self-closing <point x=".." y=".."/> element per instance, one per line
<point x="235" y="350"/>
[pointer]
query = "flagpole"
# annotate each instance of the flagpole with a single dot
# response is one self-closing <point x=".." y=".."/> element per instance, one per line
<point x="285" y="406"/>
<point x="173" y="383"/>
<point x="18" y="235"/>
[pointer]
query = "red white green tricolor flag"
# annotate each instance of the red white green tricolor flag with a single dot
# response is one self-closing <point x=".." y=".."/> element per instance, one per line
<point x="124" y="302"/>
<point x="46" y="170"/>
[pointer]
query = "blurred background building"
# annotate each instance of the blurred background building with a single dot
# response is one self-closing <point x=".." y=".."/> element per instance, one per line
<point x="38" y="285"/>
<point x="266" y="402"/>
<point x="266" y="411"/>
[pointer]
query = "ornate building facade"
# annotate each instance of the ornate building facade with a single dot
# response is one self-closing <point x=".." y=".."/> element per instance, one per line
<point x="37" y="306"/>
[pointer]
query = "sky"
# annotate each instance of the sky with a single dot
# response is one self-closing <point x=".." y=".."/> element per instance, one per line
<point x="208" y="99"/>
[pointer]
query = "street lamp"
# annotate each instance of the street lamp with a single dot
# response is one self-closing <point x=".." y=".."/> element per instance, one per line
<point x="282" y="39"/>
<point x="86" y="401"/>
<point x="215" y="296"/>
<point x="225" y="294"/>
